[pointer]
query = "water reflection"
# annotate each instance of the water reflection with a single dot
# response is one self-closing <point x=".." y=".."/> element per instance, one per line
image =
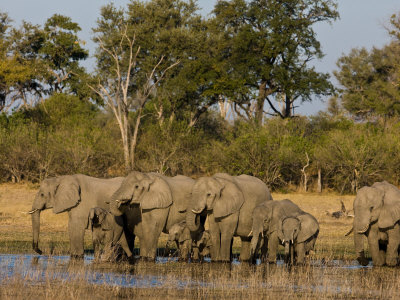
<point x="165" y="272"/>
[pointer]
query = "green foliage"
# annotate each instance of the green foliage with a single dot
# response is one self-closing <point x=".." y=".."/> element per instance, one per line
<point x="370" y="82"/>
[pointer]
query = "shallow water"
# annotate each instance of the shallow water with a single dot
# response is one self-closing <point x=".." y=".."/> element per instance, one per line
<point x="165" y="272"/>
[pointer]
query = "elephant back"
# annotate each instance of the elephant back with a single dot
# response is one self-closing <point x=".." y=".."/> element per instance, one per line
<point x="255" y="192"/>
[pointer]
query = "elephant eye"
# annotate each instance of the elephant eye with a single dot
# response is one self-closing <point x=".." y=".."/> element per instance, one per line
<point x="208" y="194"/>
<point x="136" y="186"/>
<point x="41" y="195"/>
<point x="370" y="209"/>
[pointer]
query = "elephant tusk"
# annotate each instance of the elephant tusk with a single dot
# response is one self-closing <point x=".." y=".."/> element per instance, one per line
<point x="32" y="211"/>
<point x="196" y="212"/>
<point x="350" y="231"/>
<point x="251" y="233"/>
<point x="364" y="229"/>
<point x="283" y="241"/>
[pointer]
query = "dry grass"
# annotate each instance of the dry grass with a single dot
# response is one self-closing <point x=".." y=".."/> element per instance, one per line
<point x="325" y="278"/>
<point x="16" y="237"/>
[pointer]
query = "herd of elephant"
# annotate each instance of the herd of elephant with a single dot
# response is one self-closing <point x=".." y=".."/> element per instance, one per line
<point x="144" y="205"/>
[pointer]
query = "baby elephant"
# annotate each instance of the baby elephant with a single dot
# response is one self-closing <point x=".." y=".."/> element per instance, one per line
<point x="107" y="231"/>
<point x="194" y="245"/>
<point x="298" y="234"/>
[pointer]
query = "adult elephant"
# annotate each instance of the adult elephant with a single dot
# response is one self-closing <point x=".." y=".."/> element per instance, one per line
<point x="377" y="215"/>
<point x="267" y="223"/>
<point x="152" y="203"/>
<point x="75" y="194"/>
<point x="229" y="202"/>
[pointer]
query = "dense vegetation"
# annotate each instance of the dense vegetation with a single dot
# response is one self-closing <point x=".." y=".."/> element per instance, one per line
<point x="177" y="93"/>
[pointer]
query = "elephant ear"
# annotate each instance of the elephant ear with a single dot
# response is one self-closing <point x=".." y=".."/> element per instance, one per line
<point x="390" y="211"/>
<point x="308" y="228"/>
<point x="230" y="200"/>
<point x="67" y="195"/>
<point x="157" y="193"/>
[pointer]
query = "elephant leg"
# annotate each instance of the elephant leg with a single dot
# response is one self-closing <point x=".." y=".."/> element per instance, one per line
<point x="392" y="257"/>
<point x="76" y="230"/>
<point x="300" y="252"/>
<point x="76" y="237"/>
<point x="272" y="247"/>
<point x="228" y="227"/>
<point x="96" y="248"/>
<point x="215" y="236"/>
<point x="373" y="242"/>
<point x="153" y="224"/>
<point x="264" y="249"/>
<point x="245" y="249"/>
<point x="185" y="250"/>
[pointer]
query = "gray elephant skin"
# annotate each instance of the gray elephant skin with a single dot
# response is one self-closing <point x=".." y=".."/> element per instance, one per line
<point x="228" y="202"/>
<point x="107" y="233"/>
<point x="76" y="195"/>
<point x="298" y="235"/>
<point x="192" y="245"/>
<point x="267" y="218"/>
<point x="152" y="203"/>
<point x="377" y="215"/>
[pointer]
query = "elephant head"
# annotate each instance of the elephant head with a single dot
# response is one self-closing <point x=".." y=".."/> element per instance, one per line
<point x="294" y="230"/>
<point x="98" y="218"/>
<point x="289" y="229"/>
<point x="379" y="203"/>
<point x="262" y="216"/>
<point x="220" y="196"/>
<point x="177" y="233"/>
<point x="59" y="193"/>
<point x="150" y="191"/>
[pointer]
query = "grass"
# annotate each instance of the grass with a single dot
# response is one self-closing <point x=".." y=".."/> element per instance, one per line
<point x="15" y="224"/>
<point x="323" y="279"/>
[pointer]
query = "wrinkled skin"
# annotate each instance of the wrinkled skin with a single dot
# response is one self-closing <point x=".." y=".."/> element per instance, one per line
<point x="229" y="202"/>
<point x="298" y="235"/>
<point x="267" y="218"/>
<point x="185" y="240"/>
<point x="107" y="231"/>
<point x="76" y="195"/>
<point x="152" y="204"/>
<point x="376" y="216"/>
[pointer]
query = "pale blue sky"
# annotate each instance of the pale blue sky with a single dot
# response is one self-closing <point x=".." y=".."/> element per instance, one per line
<point x="361" y="24"/>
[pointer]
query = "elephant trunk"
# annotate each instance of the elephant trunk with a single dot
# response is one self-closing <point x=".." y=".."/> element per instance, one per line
<point x="253" y="244"/>
<point x="114" y="208"/>
<point x="36" y="230"/>
<point x="361" y="226"/>
<point x="192" y="220"/>
<point x="288" y="252"/>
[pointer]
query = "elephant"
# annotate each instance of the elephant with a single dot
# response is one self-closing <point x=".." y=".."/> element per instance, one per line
<point x="377" y="215"/>
<point x="298" y="234"/>
<point x="107" y="231"/>
<point x="202" y="247"/>
<point x="152" y="203"/>
<point x="228" y="201"/>
<point x="267" y="218"/>
<point x="75" y="194"/>
<point x="191" y="244"/>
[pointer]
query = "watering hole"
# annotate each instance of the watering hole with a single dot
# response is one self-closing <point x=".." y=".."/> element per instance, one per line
<point x="167" y="272"/>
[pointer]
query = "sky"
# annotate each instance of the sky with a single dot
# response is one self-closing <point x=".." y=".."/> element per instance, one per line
<point x="361" y="24"/>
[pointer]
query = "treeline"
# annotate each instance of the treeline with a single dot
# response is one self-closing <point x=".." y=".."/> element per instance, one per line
<point x="65" y="135"/>
<point x="176" y="93"/>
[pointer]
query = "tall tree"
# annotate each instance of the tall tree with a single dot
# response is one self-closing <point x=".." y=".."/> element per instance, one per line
<point x="268" y="45"/>
<point x="370" y="82"/>
<point x="126" y="81"/>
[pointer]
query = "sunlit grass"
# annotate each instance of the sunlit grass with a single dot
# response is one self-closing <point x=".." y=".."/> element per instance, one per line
<point x="323" y="279"/>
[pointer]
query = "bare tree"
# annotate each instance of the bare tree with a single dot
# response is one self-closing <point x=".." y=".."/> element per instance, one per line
<point x="115" y="90"/>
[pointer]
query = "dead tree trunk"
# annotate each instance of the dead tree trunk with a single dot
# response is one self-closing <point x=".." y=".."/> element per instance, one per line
<point x="319" y="187"/>
<point x="304" y="174"/>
